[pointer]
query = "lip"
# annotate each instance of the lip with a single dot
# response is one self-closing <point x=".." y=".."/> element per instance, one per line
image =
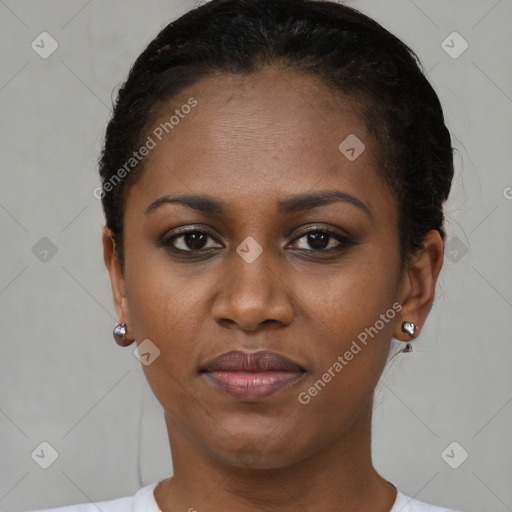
<point x="252" y="376"/>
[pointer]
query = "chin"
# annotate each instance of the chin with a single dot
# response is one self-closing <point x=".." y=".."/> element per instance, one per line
<point x="257" y="452"/>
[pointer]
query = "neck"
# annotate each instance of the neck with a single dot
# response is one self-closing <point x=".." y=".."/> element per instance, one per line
<point x="340" y="476"/>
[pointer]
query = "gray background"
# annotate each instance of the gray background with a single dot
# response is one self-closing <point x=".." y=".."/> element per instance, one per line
<point x="63" y="380"/>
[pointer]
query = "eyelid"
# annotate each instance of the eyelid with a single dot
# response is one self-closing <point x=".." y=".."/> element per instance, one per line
<point x="191" y="228"/>
<point x="308" y="228"/>
<point x="327" y="229"/>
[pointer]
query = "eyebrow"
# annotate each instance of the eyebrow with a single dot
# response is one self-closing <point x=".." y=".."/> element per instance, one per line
<point x="293" y="204"/>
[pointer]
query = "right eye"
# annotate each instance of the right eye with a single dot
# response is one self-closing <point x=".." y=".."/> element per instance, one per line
<point x="190" y="240"/>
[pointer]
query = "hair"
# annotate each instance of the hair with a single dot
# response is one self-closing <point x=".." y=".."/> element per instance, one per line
<point x="348" y="51"/>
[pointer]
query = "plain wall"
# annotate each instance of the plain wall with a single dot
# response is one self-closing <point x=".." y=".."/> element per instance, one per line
<point x="63" y="380"/>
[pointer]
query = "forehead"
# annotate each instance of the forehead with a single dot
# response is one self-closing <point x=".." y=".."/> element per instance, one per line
<point x="277" y="106"/>
<point x="254" y="137"/>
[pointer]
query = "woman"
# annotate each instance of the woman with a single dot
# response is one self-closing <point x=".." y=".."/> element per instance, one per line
<point x="273" y="180"/>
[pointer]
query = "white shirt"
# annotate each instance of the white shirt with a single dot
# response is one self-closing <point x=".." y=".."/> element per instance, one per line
<point x="144" y="501"/>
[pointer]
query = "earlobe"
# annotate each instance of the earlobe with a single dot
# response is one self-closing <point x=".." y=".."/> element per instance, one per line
<point x="418" y="286"/>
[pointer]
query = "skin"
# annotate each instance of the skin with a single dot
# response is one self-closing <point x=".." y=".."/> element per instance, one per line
<point x="250" y="142"/>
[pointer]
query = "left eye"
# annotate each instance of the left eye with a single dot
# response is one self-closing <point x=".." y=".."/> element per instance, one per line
<point x="319" y="239"/>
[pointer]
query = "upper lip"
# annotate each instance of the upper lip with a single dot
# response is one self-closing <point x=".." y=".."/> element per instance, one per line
<point x="243" y="361"/>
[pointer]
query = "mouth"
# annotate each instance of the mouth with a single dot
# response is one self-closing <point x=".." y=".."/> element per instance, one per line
<point x="252" y="376"/>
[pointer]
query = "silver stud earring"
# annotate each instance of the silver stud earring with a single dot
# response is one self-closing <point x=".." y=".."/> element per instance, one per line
<point x="120" y="331"/>
<point x="410" y="329"/>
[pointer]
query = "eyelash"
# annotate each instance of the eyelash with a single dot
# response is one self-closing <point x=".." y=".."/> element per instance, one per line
<point x="344" y="241"/>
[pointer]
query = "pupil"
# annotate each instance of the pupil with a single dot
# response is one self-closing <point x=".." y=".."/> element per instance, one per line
<point x="193" y="240"/>
<point x="315" y="238"/>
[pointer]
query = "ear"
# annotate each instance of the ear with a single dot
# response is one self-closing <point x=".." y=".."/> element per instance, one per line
<point x="111" y="258"/>
<point x="418" y="285"/>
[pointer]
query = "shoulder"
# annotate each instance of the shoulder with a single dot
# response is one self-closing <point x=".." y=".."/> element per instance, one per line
<point x="406" y="504"/>
<point x="144" y="500"/>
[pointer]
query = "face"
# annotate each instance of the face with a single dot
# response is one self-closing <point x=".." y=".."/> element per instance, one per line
<point x="293" y="249"/>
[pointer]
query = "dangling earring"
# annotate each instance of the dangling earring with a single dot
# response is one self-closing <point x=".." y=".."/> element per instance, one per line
<point x="119" y="333"/>
<point x="410" y="329"/>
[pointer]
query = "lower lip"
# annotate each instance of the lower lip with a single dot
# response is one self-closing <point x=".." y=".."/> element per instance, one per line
<point x="252" y="386"/>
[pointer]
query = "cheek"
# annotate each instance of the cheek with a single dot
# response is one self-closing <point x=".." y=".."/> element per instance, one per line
<point x="167" y="308"/>
<point x="351" y="349"/>
<point x="161" y="313"/>
<point x="352" y="298"/>
<point x="160" y="295"/>
<point x="350" y="320"/>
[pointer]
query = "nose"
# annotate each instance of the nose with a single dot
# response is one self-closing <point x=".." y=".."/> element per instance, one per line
<point x="253" y="293"/>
